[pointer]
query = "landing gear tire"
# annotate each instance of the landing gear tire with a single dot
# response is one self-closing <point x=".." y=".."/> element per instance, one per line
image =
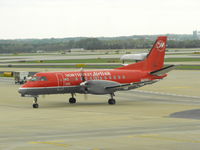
<point x="72" y="100"/>
<point x="35" y="105"/>
<point x="111" y="101"/>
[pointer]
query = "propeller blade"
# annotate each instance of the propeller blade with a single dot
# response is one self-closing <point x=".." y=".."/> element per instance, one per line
<point x="84" y="84"/>
<point x="85" y="97"/>
<point x="82" y="75"/>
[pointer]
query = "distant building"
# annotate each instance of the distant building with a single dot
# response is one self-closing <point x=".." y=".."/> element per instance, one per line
<point x="196" y="34"/>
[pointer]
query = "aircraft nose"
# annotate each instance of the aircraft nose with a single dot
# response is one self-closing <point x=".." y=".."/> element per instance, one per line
<point x="22" y="91"/>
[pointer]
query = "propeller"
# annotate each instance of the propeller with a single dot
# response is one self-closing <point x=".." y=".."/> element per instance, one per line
<point x="43" y="96"/>
<point x="85" y="97"/>
<point x="84" y="84"/>
<point x="82" y="75"/>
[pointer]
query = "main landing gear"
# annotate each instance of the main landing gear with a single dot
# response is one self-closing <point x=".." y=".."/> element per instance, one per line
<point x="111" y="101"/>
<point x="35" y="104"/>
<point x="72" y="100"/>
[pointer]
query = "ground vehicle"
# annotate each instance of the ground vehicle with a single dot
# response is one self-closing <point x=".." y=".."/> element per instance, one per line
<point x="20" y="77"/>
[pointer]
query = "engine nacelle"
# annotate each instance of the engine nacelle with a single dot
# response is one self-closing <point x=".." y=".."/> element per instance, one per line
<point x="97" y="86"/>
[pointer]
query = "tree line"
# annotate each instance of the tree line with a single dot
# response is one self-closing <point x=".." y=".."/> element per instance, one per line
<point x="50" y="45"/>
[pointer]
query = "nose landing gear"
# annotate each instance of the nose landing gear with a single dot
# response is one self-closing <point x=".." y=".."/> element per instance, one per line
<point x="35" y="104"/>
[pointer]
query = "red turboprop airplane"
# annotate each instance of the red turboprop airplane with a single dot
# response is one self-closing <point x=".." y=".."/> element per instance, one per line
<point x="100" y="82"/>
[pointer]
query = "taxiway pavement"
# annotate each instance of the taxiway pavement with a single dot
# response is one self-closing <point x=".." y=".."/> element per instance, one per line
<point x="140" y="120"/>
<point x="13" y="59"/>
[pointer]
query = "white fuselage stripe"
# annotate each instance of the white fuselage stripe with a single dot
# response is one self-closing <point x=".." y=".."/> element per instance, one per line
<point x="48" y="87"/>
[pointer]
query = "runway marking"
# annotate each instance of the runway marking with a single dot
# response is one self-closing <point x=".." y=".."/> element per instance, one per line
<point x="158" y="137"/>
<point x="55" y="143"/>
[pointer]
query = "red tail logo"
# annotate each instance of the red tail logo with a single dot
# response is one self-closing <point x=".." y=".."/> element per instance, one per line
<point x="160" y="45"/>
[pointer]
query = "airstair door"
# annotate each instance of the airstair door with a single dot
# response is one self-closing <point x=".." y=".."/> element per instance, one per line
<point x="60" y="79"/>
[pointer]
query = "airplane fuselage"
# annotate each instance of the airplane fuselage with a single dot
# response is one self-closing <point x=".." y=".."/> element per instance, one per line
<point x="69" y="82"/>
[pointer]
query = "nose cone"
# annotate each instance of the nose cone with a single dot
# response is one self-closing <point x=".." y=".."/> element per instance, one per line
<point x="22" y="91"/>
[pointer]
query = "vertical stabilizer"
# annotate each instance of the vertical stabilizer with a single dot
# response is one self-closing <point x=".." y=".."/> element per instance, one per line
<point x="155" y="58"/>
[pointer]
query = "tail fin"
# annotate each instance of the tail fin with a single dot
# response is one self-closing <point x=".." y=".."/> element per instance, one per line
<point x="155" y="58"/>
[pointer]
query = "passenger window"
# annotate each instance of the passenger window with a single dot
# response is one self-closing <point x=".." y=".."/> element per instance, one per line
<point x="66" y="79"/>
<point x="110" y="77"/>
<point x="123" y="77"/>
<point x="119" y="77"/>
<point x="114" y="77"/>
<point x="105" y="77"/>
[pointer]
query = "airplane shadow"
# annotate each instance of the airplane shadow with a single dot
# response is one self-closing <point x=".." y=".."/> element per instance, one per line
<point x="187" y="114"/>
<point x="79" y="104"/>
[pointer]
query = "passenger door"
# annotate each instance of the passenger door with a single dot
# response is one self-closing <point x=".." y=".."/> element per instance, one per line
<point x="60" y="79"/>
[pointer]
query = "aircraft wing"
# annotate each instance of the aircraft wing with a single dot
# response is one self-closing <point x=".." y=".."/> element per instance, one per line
<point x="134" y="85"/>
<point x="130" y="85"/>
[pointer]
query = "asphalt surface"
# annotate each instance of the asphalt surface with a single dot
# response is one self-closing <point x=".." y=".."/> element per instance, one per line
<point x="142" y="119"/>
<point x="78" y="65"/>
<point x="5" y="59"/>
<point x="12" y="59"/>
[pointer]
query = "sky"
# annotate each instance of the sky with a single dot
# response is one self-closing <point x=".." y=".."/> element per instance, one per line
<point x="96" y="18"/>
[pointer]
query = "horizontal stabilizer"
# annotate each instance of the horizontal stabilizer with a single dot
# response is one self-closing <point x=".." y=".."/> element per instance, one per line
<point x="163" y="71"/>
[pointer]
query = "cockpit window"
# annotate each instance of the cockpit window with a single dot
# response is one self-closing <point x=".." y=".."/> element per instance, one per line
<point x="43" y="79"/>
<point x="36" y="78"/>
